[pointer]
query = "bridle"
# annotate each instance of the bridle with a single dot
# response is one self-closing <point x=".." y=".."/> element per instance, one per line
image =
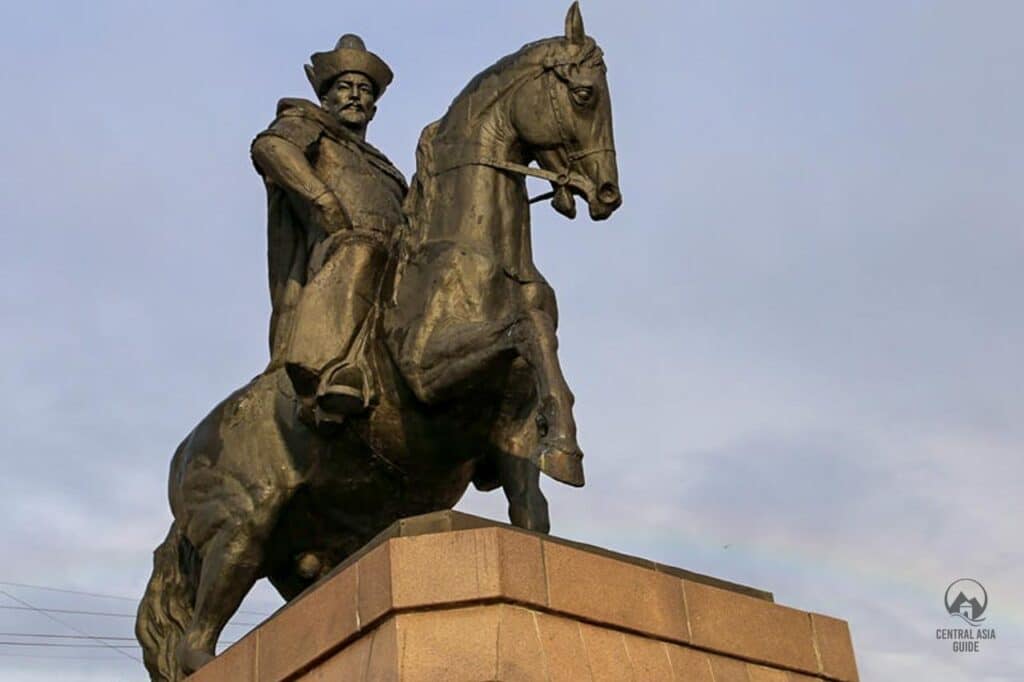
<point x="571" y="177"/>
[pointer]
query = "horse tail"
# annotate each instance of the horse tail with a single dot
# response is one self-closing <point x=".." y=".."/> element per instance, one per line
<point x="166" y="608"/>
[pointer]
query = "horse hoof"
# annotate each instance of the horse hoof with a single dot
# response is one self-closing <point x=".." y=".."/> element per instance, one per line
<point x="192" y="660"/>
<point x="561" y="462"/>
<point x="528" y="519"/>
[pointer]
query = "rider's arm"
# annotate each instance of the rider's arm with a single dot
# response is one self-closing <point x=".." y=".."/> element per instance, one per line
<point x="286" y="165"/>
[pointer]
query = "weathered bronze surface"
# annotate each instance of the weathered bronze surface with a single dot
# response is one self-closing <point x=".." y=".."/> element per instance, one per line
<point x="413" y="346"/>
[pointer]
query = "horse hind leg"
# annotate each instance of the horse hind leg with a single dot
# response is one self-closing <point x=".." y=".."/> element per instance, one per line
<point x="232" y="562"/>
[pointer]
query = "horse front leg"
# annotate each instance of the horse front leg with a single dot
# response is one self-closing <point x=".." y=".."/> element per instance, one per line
<point x="527" y="506"/>
<point x="557" y="452"/>
<point x="444" y="349"/>
<point x="460" y="355"/>
<point x="452" y="359"/>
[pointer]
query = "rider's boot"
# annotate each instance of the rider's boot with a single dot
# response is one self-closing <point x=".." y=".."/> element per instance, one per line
<point x="328" y="355"/>
<point x="346" y="386"/>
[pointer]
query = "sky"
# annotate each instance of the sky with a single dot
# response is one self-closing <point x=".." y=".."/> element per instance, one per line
<point x="796" y="348"/>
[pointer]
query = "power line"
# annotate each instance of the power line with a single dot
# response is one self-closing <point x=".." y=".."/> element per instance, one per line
<point x="60" y="645"/>
<point x="70" y="611"/>
<point x="11" y="654"/>
<point x="75" y="612"/>
<point x="67" y="591"/>
<point x="69" y="627"/>
<point x="109" y="639"/>
<point x="135" y="600"/>
<point x="41" y="636"/>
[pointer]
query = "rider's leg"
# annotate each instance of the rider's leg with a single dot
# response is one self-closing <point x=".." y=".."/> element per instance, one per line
<point x="323" y="362"/>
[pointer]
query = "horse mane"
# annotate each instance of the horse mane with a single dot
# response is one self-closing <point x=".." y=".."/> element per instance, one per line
<point x="420" y="189"/>
<point x="479" y="95"/>
<point x="493" y="83"/>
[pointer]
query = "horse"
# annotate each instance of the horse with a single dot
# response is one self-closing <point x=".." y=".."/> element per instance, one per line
<point x="464" y="355"/>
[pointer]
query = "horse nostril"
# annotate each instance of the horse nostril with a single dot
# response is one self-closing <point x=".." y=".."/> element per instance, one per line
<point x="609" y="194"/>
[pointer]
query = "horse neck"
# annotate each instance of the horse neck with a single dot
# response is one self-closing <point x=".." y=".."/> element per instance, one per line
<point x="470" y="202"/>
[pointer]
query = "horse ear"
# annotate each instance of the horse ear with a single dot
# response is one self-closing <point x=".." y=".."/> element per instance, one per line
<point x="574" y="25"/>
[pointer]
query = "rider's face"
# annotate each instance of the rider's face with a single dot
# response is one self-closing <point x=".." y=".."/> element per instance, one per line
<point x="350" y="99"/>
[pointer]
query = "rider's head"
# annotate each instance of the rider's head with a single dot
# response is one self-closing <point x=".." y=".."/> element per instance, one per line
<point x="349" y="80"/>
<point x="351" y="99"/>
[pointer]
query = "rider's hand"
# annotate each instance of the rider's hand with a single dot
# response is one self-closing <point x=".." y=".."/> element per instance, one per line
<point x="329" y="214"/>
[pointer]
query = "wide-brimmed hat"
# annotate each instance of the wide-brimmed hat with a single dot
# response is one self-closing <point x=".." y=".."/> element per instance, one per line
<point x="350" y="54"/>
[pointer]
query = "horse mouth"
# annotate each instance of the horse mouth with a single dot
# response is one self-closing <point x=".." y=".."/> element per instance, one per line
<point x="601" y="211"/>
<point x="600" y="205"/>
<point x="605" y="202"/>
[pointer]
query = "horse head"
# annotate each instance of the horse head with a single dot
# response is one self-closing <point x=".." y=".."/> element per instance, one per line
<point x="563" y="118"/>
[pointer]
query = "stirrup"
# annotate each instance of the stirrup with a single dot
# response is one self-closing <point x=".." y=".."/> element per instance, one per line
<point x="342" y="390"/>
<point x="341" y="399"/>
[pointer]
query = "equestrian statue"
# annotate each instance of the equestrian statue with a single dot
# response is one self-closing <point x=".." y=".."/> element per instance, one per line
<point x="412" y="338"/>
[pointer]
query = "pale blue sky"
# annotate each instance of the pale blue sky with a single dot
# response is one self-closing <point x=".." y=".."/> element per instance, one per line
<point x="796" y="349"/>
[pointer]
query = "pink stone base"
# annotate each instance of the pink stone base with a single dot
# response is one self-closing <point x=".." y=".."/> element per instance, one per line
<point x="490" y="602"/>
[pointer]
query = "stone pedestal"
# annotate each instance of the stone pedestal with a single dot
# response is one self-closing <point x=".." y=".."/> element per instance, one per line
<point x="449" y="597"/>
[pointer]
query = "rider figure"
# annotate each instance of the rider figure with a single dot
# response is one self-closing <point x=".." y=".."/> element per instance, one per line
<point x="334" y="202"/>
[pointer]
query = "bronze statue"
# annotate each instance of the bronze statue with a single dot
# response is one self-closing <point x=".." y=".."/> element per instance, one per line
<point x="413" y="346"/>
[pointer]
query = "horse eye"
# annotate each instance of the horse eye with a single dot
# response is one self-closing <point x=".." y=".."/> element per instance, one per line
<point x="583" y="94"/>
